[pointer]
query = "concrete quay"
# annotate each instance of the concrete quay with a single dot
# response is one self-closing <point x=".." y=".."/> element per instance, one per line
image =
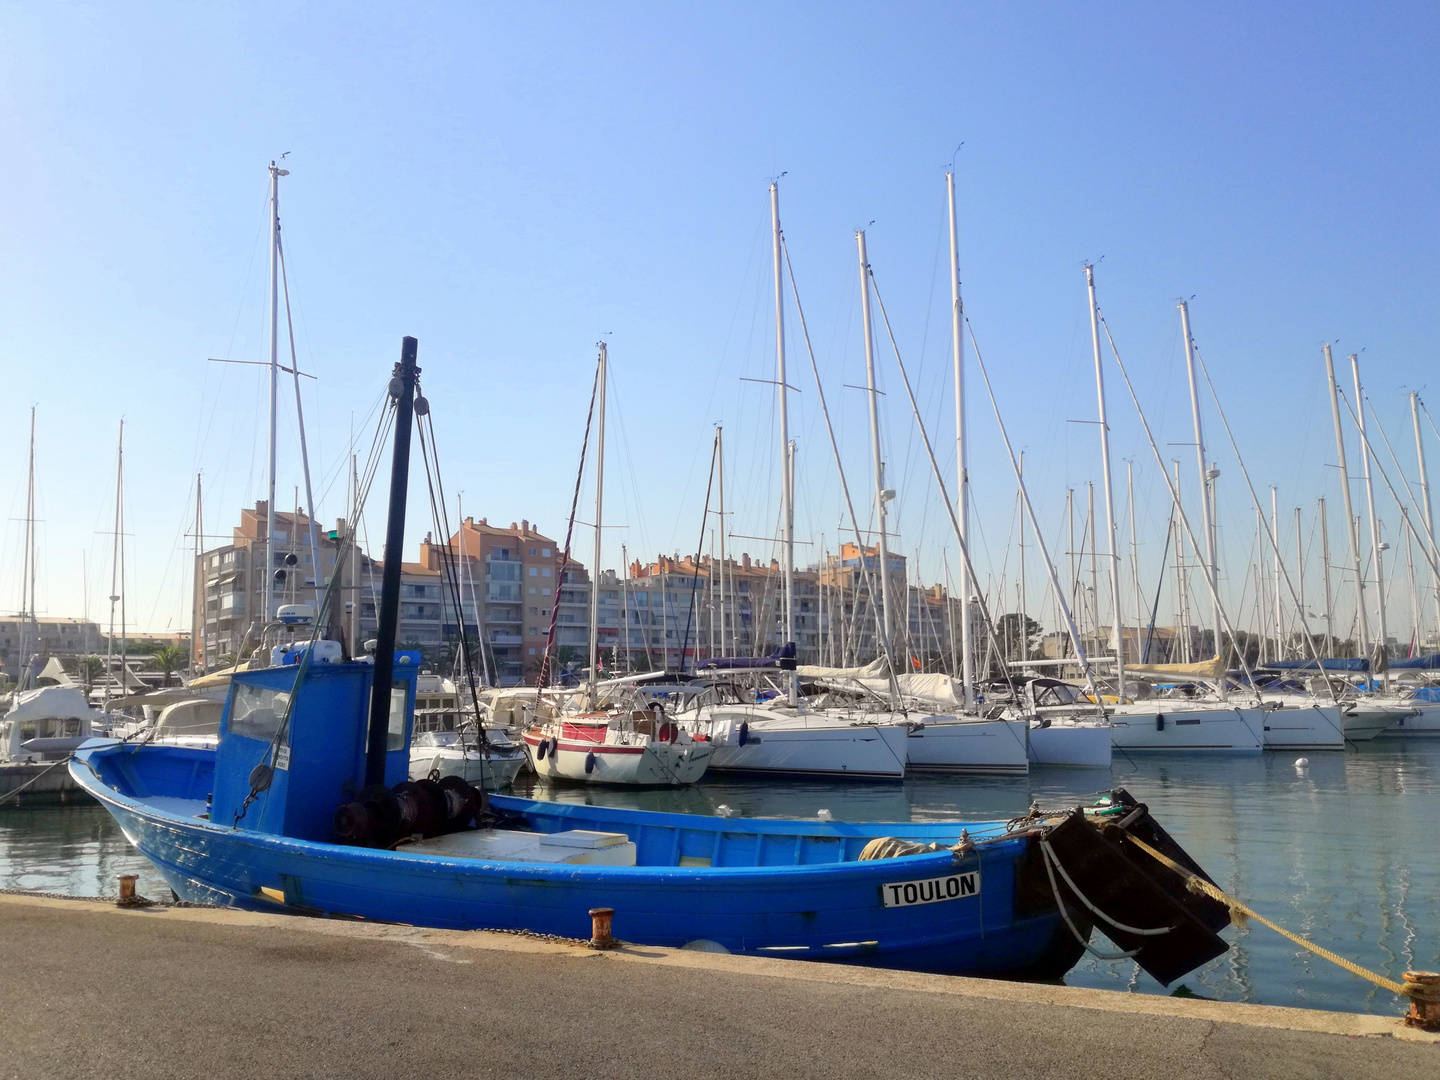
<point x="92" y="990"/>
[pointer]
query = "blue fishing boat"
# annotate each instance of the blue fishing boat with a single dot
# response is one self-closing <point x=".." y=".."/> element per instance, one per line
<point x="305" y="806"/>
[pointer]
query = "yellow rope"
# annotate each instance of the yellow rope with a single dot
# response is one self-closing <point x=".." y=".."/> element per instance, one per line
<point x="1198" y="884"/>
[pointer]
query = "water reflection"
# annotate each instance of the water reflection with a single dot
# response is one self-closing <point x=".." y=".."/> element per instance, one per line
<point x="1341" y="851"/>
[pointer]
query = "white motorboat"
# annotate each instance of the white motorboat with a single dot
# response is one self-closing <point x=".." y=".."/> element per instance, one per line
<point x="493" y="766"/>
<point x="45" y="724"/>
<point x="617" y="747"/>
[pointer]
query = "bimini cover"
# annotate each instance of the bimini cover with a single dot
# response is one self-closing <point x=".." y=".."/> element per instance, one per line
<point x="51" y="703"/>
<point x="1212" y="669"/>
<point x="196" y="718"/>
<point x="1330" y="663"/>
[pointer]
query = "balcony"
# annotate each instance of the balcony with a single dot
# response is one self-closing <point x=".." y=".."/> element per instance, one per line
<point x="504" y="639"/>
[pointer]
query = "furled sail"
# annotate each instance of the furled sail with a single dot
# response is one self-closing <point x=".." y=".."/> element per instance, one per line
<point x="1212" y="670"/>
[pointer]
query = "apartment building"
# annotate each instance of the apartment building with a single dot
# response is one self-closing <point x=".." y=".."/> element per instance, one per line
<point x="45" y="637"/>
<point x="511" y="587"/>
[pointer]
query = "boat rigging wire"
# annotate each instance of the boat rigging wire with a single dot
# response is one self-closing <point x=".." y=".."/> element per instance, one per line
<point x="1039" y="536"/>
<point x="844" y="484"/>
<point x="1274" y="540"/>
<point x="945" y="496"/>
<point x="264" y="772"/>
<point x="449" y="560"/>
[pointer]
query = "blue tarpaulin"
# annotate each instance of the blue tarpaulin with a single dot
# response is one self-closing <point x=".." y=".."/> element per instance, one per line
<point x="1333" y="663"/>
<point x="1417" y="663"/>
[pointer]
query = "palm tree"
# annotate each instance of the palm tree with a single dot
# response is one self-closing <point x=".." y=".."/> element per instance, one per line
<point x="89" y="668"/>
<point x="168" y="659"/>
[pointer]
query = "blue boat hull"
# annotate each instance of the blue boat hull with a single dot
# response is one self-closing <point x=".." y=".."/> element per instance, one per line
<point x="789" y="889"/>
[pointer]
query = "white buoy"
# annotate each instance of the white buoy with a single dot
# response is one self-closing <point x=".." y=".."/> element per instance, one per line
<point x="1301" y="764"/>
<point x="825" y="815"/>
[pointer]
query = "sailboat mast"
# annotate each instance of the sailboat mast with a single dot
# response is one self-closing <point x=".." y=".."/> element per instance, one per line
<point x="1114" y="552"/>
<point x="1020" y="510"/>
<point x="197" y="613"/>
<point x="300" y="428"/>
<point x="962" y="474"/>
<point x="1325" y="566"/>
<point x="600" y="383"/>
<point x="725" y="647"/>
<point x="883" y="542"/>
<point x="29" y="623"/>
<point x="787" y="489"/>
<point x="266" y="570"/>
<point x="1352" y="532"/>
<point x="1300" y="583"/>
<point x="1425" y="499"/>
<point x="1375" y="545"/>
<point x="1275" y="543"/>
<point x="1135" y="558"/>
<point x="1211" y="569"/>
<point x="1182" y="597"/>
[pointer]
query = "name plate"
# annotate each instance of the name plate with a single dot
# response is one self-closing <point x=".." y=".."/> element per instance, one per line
<point x="931" y="890"/>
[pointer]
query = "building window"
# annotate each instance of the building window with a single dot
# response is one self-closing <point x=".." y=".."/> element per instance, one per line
<point x="545" y="572"/>
<point x="544" y="592"/>
<point x="532" y="652"/>
<point x="545" y="552"/>
<point x="532" y="553"/>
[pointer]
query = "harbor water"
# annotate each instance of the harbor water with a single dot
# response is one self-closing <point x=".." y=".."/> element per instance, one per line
<point x="1342" y="851"/>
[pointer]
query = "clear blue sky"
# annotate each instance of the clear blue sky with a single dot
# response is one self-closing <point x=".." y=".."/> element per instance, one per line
<point x="508" y="183"/>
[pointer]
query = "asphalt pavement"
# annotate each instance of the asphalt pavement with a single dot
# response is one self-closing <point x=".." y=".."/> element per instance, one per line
<point x="92" y="991"/>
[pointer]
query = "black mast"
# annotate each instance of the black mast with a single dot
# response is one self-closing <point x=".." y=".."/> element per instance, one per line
<point x="402" y="389"/>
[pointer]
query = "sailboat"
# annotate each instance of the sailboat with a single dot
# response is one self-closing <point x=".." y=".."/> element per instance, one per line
<point x="304" y="807"/>
<point x="602" y="735"/>
<point x="784" y="735"/>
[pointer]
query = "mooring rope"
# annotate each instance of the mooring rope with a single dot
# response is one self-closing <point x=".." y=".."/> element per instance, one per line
<point x="1240" y="912"/>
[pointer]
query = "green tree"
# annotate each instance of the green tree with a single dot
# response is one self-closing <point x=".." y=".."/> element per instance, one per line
<point x="87" y="669"/>
<point x="168" y="659"/>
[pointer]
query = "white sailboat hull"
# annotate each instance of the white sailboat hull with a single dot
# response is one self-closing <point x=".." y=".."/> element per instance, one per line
<point x="1366" y="721"/>
<point x="754" y="742"/>
<point x="1192" y="730"/>
<point x="652" y="764"/>
<point x="1066" y="744"/>
<point x="1304" y="727"/>
<point x="955" y="745"/>
<point x="1426" y="722"/>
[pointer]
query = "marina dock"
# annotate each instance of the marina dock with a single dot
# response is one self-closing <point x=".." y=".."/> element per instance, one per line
<point x="95" y="990"/>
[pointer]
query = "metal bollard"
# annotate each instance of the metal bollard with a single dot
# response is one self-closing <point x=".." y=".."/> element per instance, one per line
<point x="127" y="890"/>
<point x="600" y="937"/>
<point x="1423" y="989"/>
